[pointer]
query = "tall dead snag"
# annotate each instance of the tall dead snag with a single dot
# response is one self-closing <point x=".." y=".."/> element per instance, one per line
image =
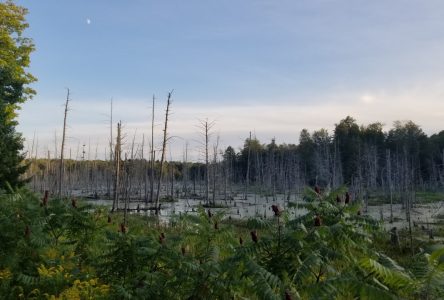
<point x="389" y="181"/>
<point x="215" y="149"/>
<point x="111" y="131"/>
<point x="185" y="171"/>
<point x="247" y="175"/>
<point x="117" y="155"/>
<point x="207" y="164"/>
<point x="62" y="167"/>
<point x="206" y="126"/>
<point x="165" y="138"/>
<point x="152" y="154"/>
<point x="111" y="150"/>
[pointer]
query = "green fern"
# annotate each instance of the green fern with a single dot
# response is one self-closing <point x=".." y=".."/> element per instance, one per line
<point x="388" y="273"/>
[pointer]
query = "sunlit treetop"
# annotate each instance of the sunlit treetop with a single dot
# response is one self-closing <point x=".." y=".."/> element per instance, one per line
<point x="15" y="50"/>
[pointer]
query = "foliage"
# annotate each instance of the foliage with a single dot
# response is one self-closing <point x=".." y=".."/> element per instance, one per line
<point x="64" y="249"/>
<point x="15" y="50"/>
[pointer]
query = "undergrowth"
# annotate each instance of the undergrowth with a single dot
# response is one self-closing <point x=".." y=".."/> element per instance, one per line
<point x="64" y="249"/>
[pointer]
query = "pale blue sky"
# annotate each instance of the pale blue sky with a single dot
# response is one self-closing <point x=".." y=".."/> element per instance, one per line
<point x="299" y="63"/>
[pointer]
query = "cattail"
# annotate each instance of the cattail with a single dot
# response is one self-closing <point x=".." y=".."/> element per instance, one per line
<point x="277" y="211"/>
<point x="318" y="221"/>
<point x="109" y="219"/>
<point x="122" y="228"/>
<point x="27" y="232"/>
<point x="241" y="241"/>
<point x="138" y="208"/>
<point x="338" y="199"/>
<point x="74" y="203"/>
<point x="347" y="198"/>
<point x="254" y="236"/>
<point x="183" y="250"/>
<point x="45" y="199"/>
<point x="216" y="225"/>
<point x="317" y="190"/>
<point x="210" y="214"/>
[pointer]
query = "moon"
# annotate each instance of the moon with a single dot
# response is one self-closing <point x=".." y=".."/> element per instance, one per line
<point x="88" y="21"/>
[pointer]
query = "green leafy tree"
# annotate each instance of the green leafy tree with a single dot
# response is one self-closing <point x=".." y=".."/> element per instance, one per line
<point x="15" y="50"/>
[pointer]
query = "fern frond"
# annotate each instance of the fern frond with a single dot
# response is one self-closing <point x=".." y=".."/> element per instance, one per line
<point x="28" y="280"/>
<point x="348" y="286"/>
<point x="388" y="276"/>
<point x="257" y="223"/>
<point x="266" y="285"/>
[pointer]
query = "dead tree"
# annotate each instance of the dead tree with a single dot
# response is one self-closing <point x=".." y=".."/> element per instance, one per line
<point x="152" y="157"/>
<point x="215" y="149"/>
<point x="117" y="159"/>
<point x="61" y="172"/>
<point x="111" y="132"/>
<point x="185" y="171"/>
<point x="165" y="139"/>
<point x="206" y="126"/>
<point x="247" y="175"/>
<point x="390" y="182"/>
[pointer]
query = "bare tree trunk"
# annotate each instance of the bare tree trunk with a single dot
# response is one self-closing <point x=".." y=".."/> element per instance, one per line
<point x="206" y="128"/>
<point x="111" y="132"/>
<point x="32" y="147"/>
<point x="145" y="172"/>
<point x="390" y="183"/>
<point x="185" y="172"/>
<point x="62" y="168"/>
<point x="127" y="188"/>
<point x="247" y="176"/>
<point x="172" y="177"/>
<point x="117" y="154"/>
<point x="48" y="171"/>
<point x="207" y="166"/>
<point x="165" y="138"/>
<point x="216" y="146"/>
<point x="152" y="155"/>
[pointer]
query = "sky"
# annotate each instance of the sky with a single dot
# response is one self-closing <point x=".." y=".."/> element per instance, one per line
<point x="272" y="67"/>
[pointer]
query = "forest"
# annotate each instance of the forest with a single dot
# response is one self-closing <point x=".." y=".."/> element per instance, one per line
<point x="366" y="158"/>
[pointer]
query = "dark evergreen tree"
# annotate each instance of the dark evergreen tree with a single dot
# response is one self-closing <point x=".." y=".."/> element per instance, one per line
<point x="11" y="166"/>
<point x="347" y="136"/>
<point x="436" y="154"/>
<point x="306" y="150"/>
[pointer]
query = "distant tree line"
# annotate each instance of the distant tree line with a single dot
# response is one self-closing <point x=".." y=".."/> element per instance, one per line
<point x="355" y="155"/>
<point x="365" y="158"/>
